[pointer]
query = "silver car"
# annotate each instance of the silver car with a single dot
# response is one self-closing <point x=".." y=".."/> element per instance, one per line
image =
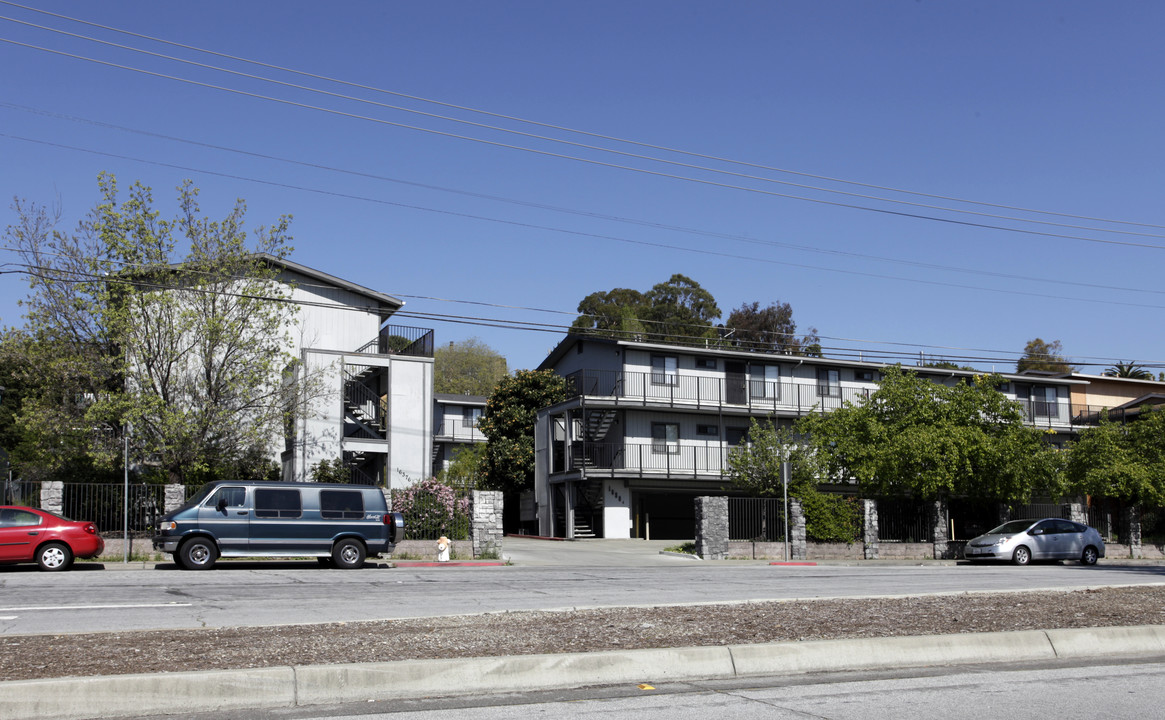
<point x="1022" y="541"/>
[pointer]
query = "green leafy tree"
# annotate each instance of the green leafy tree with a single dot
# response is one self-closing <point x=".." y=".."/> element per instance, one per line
<point x="770" y="329"/>
<point x="331" y="471"/>
<point x="508" y="425"/>
<point x="675" y="311"/>
<point x="615" y="313"/>
<point x="189" y="350"/>
<point x="755" y="468"/>
<point x="1046" y="356"/>
<point x="466" y="468"/>
<point x="1121" y="460"/>
<point x="468" y="367"/>
<point x="1128" y="370"/>
<point x="919" y="438"/>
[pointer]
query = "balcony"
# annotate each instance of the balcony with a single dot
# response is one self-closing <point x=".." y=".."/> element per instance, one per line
<point x="674" y="390"/>
<point x="401" y="340"/>
<point x="454" y="430"/>
<point x="641" y="459"/>
<point x="795" y="396"/>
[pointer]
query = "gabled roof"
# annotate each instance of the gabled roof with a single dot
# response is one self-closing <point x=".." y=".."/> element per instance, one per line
<point x="386" y="302"/>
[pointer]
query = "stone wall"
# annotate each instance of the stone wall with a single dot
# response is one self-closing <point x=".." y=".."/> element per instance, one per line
<point x="485" y="525"/>
<point x="52" y="496"/>
<point x="712" y="527"/>
<point x="870" y="529"/>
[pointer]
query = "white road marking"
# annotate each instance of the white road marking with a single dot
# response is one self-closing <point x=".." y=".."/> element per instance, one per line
<point x="94" y="607"/>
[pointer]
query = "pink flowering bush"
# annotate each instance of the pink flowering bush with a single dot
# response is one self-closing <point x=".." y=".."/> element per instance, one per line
<point x="433" y="509"/>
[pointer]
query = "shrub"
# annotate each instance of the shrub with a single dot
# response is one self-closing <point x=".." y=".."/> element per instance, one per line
<point x="432" y="509"/>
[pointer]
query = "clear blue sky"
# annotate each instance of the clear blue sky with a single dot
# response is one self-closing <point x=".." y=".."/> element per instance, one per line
<point x="1047" y="106"/>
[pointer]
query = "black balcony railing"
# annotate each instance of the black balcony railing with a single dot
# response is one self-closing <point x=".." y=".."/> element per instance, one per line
<point x="455" y="429"/>
<point x="401" y="340"/>
<point x="656" y="458"/>
<point x="697" y="391"/>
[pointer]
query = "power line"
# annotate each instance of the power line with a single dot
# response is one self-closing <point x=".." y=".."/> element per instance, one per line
<point x="539" y="124"/>
<point x="579" y="233"/>
<point x="595" y="215"/>
<point x="654" y="173"/>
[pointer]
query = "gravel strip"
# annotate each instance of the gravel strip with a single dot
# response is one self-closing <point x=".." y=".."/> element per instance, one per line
<point x="26" y="657"/>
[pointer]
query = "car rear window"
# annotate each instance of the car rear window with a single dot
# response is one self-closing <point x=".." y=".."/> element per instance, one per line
<point x="344" y="504"/>
<point x="272" y="503"/>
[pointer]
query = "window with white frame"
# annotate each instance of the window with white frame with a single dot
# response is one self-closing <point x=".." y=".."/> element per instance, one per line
<point x="665" y="438"/>
<point x="766" y="381"/>
<point x="663" y="370"/>
<point x="828" y="382"/>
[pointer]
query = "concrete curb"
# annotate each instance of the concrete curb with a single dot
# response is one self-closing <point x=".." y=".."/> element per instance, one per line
<point x="129" y="695"/>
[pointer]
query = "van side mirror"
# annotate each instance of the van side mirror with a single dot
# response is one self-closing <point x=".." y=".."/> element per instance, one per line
<point x="221" y="505"/>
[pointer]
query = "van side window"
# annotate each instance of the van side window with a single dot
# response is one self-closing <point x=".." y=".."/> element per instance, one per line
<point x="234" y="497"/>
<point x="272" y="503"/>
<point x="347" y="504"/>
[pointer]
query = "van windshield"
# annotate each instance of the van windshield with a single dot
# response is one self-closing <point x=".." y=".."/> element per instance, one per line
<point x="201" y="495"/>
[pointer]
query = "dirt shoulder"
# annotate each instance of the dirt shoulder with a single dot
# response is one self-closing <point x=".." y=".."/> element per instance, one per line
<point x="521" y="633"/>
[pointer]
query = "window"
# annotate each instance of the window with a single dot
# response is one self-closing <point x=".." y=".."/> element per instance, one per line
<point x="735" y="435"/>
<point x="228" y="496"/>
<point x="1040" y="399"/>
<point x="471" y="416"/>
<point x="864" y="375"/>
<point x="665" y="438"/>
<point x="272" y="503"/>
<point x="708" y="430"/>
<point x="766" y="381"/>
<point x="345" y="504"/>
<point x="11" y="517"/>
<point x="663" y="370"/>
<point x="828" y="382"/>
<point x="706" y="363"/>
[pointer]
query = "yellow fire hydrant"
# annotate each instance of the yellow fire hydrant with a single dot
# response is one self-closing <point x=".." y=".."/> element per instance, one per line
<point x="442" y="549"/>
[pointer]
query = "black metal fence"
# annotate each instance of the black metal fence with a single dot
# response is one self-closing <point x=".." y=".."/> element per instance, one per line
<point x="760" y="519"/>
<point x="902" y="520"/>
<point x="108" y="506"/>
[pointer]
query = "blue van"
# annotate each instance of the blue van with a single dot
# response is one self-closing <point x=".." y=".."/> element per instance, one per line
<point x="340" y="525"/>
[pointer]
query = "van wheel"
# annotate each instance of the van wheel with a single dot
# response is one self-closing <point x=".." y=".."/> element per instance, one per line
<point x="197" y="554"/>
<point x="348" y="554"/>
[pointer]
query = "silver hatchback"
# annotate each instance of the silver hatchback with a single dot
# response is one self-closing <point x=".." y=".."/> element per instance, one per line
<point x="1022" y="541"/>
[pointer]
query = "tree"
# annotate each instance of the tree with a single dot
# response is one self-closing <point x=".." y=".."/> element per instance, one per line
<point x="1128" y="370"/>
<point x="331" y="471"/>
<point x="466" y="468"/>
<point x="468" y="367"/>
<point x="770" y="329"/>
<point x="612" y="314"/>
<point x="508" y="425"/>
<point x="1121" y="460"/>
<point x="755" y="468"/>
<point x="918" y="438"/>
<point x="189" y="350"/>
<point x="1040" y="355"/>
<point x="676" y="311"/>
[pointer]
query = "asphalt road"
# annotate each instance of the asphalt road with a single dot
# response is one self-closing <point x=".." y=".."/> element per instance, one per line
<point x="548" y="576"/>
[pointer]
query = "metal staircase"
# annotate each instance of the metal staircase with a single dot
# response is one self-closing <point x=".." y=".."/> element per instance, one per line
<point x="364" y="408"/>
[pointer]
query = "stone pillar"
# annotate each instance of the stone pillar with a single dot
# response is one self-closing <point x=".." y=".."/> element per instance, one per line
<point x="52" y="496"/>
<point x="174" y="497"/>
<point x="1075" y="512"/>
<point x="870" y="529"/>
<point x="1131" y="530"/>
<point x="798" y="544"/>
<point x="712" y="527"/>
<point x="485" y="524"/>
<point x="940" y="529"/>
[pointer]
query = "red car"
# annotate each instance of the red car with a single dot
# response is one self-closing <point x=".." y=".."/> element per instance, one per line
<point x="51" y="541"/>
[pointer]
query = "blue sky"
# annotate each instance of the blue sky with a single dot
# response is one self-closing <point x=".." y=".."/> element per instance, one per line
<point x="1038" y="106"/>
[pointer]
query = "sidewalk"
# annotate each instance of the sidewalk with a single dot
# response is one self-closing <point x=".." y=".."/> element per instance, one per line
<point x="286" y="687"/>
